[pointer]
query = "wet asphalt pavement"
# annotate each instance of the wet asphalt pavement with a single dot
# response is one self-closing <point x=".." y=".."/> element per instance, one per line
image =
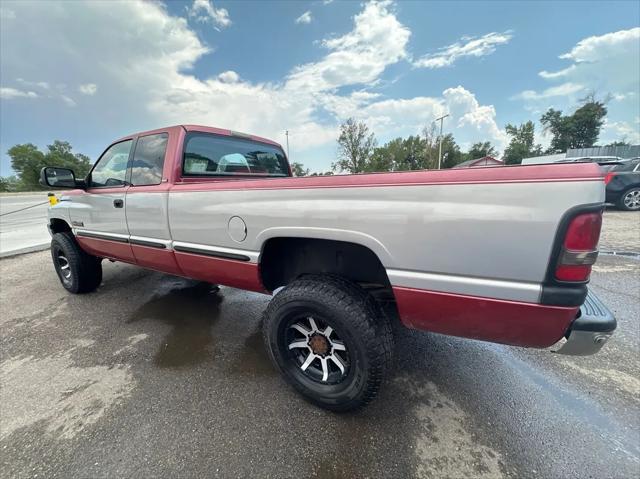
<point x="156" y="376"/>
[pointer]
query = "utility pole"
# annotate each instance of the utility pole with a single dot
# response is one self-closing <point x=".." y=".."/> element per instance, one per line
<point x="286" y="132"/>
<point x="441" y="120"/>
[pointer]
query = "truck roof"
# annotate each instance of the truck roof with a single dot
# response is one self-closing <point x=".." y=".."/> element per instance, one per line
<point x="205" y="129"/>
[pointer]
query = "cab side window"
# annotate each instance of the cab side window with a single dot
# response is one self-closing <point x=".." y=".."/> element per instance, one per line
<point x="148" y="160"/>
<point x="111" y="169"/>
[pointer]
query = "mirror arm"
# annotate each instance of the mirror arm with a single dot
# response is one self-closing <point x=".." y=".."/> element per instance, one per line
<point x="82" y="184"/>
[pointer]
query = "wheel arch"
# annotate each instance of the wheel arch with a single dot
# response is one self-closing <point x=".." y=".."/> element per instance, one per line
<point x="285" y="258"/>
<point x="58" y="225"/>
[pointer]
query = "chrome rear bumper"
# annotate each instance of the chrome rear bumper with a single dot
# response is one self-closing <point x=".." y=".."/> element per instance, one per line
<point x="589" y="331"/>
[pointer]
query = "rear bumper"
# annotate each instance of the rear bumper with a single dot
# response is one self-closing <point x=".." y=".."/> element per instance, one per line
<point x="589" y="331"/>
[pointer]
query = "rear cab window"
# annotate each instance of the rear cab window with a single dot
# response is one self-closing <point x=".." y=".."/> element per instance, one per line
<point x="211" y="155"/>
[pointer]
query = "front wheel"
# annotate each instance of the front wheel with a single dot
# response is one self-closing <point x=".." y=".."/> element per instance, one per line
<point x="78" y="271"/>
<point x="630" y="200"/>
<point x="330" y="341"/>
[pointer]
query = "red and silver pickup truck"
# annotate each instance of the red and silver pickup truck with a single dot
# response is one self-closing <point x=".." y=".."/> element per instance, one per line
<point x="497" y="254"/>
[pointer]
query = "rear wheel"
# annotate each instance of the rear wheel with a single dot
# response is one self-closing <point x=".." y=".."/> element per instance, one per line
<point x="330" y="340"/>
<point x="630" y="200"/>
<point x="79" y="272"/>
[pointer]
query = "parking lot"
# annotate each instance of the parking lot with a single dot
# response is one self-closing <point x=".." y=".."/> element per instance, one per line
<point x="157" y="376"/>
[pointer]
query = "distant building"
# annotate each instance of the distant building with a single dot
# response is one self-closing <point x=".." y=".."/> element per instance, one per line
<point x="536" y="160"/>
<point x="623" y="152"/>
<point x="484" y="161"/>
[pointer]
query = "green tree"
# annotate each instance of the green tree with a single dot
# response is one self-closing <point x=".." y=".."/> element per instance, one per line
<point x="27" y="161"/>
<point x="400" y="154"/>
<point x="451" y="154"/>
<point x="521" y="144"/>
<point x="381" y="160"/>
<point x="579" y="130"/>
<point x="298" y="169"/>
<point x="59" y="154"/>
<point x="480" y="150"/>
<point x="431" y="146"/>
<point x="355" y="147"/>
<point x="9" y="183"/>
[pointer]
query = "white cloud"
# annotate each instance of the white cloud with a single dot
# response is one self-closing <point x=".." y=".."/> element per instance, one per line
<point x="228" y="77"/>
<point x="469" y="121"/>
<point x="377" y="40"/>
<point x="204" y="11"/>
<point x="554" y="91"/>
<point x="88" y="89"/>
<point x="305" y="18"/>
<point x="620" y="130"/>
<point x="152" y="84"/>
<point x="610" y="61"/>
<point x="37" y="84"/>
<point x="68" y="100"/>
<point x="472" y="119"/>
<point x="466" y="47"/>
<point x="606" y="65"/>
<point x="11" y="93"/>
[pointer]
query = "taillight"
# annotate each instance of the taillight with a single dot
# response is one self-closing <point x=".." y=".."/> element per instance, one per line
<point x="579" y="248"/>
<point x="608" y="178"/>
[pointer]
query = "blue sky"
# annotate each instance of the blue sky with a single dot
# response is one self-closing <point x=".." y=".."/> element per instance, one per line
<point x="91" y="72"/>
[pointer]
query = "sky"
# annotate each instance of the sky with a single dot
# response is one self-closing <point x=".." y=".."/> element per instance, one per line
<point x="91" y="72"/>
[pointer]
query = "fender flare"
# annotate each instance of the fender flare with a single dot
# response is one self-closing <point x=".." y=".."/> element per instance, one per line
<point x="333" y="234"/>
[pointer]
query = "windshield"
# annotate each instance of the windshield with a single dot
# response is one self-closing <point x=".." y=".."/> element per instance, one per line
<point x="207" y="154"/>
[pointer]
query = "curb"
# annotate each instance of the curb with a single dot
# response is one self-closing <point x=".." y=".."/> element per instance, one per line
<point x="28" y="249"/>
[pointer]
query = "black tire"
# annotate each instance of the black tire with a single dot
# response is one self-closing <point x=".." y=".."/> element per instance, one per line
<point x="78" y="271"/>
<point x="358" y="325"/>
<point x="633" y="203"/>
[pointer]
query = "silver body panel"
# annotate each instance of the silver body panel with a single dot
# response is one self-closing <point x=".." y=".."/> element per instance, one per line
<point x="95" y="210"/>
<point x="147" y="215"/>
<point x="481" y="239"/>
<point x="489" y="240"/>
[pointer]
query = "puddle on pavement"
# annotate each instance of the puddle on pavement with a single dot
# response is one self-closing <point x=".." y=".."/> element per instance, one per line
<point x="253" y="359"/>
<point x="191" y="309"/>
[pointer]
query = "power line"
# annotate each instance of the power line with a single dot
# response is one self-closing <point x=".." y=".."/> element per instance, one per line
<point x="25" y="208"/>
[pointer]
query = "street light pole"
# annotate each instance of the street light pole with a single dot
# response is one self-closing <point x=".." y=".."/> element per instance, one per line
<point x="441" y="120"/>
<point x="286" y="132"/>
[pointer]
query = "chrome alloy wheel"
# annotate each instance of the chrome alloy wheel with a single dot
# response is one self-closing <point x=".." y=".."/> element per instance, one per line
<point x="318" y="350"/>
<point x="63" y="265"/>
<point x="632" y="199"/>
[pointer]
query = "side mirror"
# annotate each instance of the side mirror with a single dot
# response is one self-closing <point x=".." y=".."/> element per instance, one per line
<point x="58" y="177"/>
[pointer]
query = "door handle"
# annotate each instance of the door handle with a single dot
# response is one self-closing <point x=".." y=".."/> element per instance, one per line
<point x="118" y="203"/>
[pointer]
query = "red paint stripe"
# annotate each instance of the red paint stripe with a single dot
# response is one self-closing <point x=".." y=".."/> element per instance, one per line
<point x="107" y="248"/>
<point x="462" y="176"/>
<point x="500" y="321"/>
<point x="237" y="274"/>
<point x="157" y="259"/>
<point x="490" y="175"/>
